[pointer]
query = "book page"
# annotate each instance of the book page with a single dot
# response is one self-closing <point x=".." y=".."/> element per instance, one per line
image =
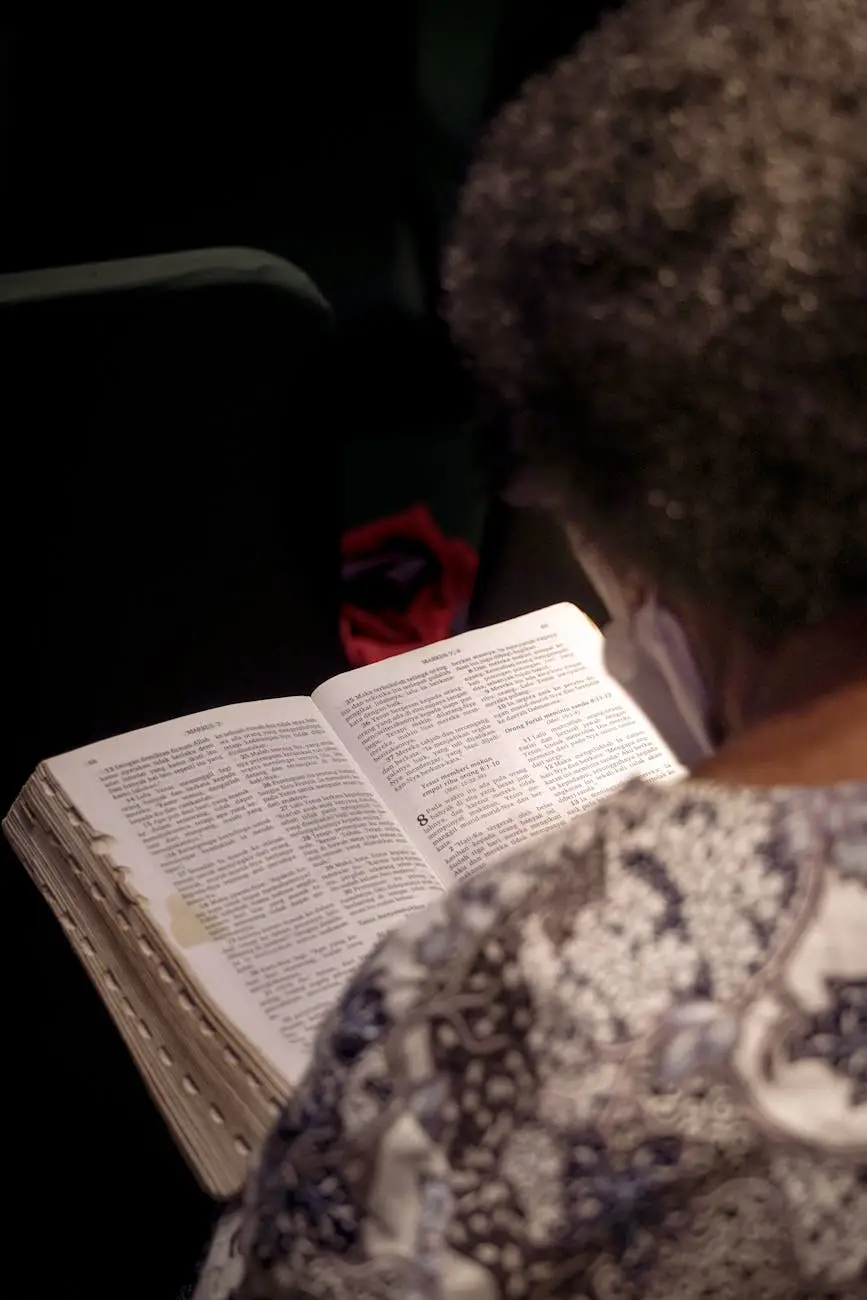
<point x="483" y="742"/>
<point x="262" y="852"/>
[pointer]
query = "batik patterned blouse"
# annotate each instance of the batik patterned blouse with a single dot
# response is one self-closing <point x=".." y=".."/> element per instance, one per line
<point x="628" y="1062"/>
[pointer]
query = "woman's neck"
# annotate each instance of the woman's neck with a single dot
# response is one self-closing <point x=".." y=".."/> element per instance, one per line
<point x="807" y="666"/>
<point x="825" y="743"/>
<point x="800" y="711"/>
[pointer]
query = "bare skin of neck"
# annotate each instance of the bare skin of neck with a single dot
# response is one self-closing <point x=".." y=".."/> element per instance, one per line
<point x="793" y="715"/>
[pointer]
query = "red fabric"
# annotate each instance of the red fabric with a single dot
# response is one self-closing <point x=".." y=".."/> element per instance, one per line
<point x="367" y="636"/>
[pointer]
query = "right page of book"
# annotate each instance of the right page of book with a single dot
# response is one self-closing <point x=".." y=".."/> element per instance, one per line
<point x="483" y="742"/>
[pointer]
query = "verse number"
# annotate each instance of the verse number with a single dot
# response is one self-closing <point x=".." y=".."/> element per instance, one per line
<point x="422" y="820"/>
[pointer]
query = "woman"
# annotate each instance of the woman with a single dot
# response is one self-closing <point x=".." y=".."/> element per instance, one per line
<point x="633" y="1060"/>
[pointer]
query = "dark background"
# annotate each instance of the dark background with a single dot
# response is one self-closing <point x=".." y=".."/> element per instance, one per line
<point x="335" y="140"/>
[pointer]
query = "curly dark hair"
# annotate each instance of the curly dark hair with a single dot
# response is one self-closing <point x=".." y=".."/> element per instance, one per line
<point x="659" y="271"/>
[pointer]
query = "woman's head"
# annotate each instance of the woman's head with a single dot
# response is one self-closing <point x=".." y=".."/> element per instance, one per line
<point x="659" y="273"/>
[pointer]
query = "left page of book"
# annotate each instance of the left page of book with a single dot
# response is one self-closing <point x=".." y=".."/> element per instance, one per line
<point x="261" y="852"/>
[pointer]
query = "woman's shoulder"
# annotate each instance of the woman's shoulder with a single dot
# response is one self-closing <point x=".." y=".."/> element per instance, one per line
<point x="717" y="869"/>
<point x="660" y="894"/>
<point x="633" y="1050"/>
<point x="693" y="840"/>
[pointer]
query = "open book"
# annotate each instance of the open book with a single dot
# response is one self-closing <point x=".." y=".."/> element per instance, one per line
<point x="221" y="876"/>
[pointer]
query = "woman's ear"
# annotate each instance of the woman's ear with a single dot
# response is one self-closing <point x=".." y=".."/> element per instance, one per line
<point x="622" y="589"/>
<point x="724" y="659"/>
